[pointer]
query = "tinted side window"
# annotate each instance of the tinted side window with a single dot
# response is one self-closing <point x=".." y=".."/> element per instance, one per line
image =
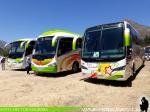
<point x="133" y="34"/>
<point x="65" y="46"/>
<point x="79" y="43"/>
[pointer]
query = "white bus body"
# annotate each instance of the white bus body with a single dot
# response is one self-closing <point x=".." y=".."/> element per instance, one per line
<point x="111" y="52"/>
<point x="53" y="52"/>
<point x="18" y="53"/>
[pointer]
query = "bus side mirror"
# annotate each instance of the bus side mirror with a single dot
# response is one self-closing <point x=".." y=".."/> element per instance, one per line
<point x="7" y="45"/>
<point x="127" y="37"/>
<point x="27" y="44"/>
<point x="54" y="41"/>
<point x="77" y="43"/>
<point x="74" y="44"/>
<point x="22" y="44"/>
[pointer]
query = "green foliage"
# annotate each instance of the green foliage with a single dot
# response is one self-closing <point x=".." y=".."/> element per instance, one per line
<point x="147" y="40"/>
<point x="143" y="42"/>
<point x="139" y="42"/>
<point x="4" y="52"/>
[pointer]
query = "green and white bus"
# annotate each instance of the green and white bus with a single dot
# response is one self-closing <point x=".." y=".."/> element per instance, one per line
<point x="18" y="53"/>
<point x="111" y="52"/>
<point x="54" y="52"/>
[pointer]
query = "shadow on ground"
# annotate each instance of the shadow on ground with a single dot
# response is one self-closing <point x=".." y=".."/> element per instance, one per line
<point x="109" y="82"/>
<point x="127" y="83"/>
<point x="18" y="70"/>
<point x="60" y="74"/>
<point x="137" y="72"/>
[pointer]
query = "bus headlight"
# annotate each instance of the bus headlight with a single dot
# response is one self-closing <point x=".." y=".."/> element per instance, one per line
<point x="21" y="61"/>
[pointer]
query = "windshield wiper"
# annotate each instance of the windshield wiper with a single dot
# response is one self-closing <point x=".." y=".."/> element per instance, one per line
<point x="106" y="57"/>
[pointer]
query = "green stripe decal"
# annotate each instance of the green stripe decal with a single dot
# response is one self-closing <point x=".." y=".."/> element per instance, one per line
<point x="50" y="69"/>
<point x="40" y="109"/>
<point x="116" y="75"/>
<point x="64" y="109"/>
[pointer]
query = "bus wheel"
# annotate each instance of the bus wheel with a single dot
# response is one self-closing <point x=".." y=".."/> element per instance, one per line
<point x="75" y="67"/>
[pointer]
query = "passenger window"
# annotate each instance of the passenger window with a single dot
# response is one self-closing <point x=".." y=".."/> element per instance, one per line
<point x="79" y="43"/>
<point x="133" y="35"/>
<point x="65" y="46"/>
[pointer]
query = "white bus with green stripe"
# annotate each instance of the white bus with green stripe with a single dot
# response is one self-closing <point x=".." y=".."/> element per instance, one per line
<point x="54" y="52"/>
<point x="111" y="52"/>
<point x="18" y="53"/>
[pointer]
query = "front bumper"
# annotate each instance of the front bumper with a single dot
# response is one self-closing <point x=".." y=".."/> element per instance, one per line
<point x="116" y="75"/>
<point x="15" y="66"/>
<point x="48" y="69"/>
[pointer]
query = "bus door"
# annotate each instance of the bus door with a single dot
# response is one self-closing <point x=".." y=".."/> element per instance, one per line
<point x="29" y="49"/>
<point x="63" y="54"/>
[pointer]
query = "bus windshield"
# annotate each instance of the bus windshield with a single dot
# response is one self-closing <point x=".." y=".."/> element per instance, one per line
<point x="104" y="43"/>
<point x="44" y="47"/>
<point x="16" y="51"/>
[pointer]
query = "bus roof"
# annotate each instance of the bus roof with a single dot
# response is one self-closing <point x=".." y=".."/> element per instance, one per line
<point x="25" y="39"/>
<point x="20" y="40"/>
<point x="108" y="25"/>
<point x="104" y="25"/>
<point x="58" y="32"/>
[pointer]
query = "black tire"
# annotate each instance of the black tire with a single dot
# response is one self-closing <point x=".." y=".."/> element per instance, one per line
<point x="75" y="67"/>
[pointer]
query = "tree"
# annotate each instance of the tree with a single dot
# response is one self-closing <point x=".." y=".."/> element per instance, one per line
<point x="147" y="40"/>
<point x="4" y="52"/>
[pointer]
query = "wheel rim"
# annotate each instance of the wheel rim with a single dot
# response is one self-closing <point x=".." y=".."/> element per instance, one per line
<point x="75" y="67"/>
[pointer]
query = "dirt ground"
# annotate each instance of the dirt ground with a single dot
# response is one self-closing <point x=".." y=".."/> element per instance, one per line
<point x="19" y="89"/>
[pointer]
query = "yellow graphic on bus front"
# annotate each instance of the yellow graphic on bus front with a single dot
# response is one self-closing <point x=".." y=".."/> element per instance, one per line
<point x="103" y="68"/>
